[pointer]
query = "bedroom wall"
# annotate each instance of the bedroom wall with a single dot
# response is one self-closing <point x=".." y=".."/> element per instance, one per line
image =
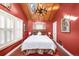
<point x="16" y="11"/>
<point x="70" y="40"/>
<point x="48" y="25"/>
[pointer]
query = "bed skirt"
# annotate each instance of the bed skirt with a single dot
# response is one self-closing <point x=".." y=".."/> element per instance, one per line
<point x="38" y="51"/>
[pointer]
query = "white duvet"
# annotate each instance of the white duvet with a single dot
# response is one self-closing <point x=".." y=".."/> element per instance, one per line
<point x="38" y="42"/>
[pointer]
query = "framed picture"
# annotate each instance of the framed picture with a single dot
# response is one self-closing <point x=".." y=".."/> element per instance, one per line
<point x="65" y="25"/>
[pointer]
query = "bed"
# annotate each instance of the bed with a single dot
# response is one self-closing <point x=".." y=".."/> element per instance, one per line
<point x="38" y="44"/>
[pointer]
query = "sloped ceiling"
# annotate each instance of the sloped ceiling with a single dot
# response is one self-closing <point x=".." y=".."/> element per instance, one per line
<point x="52" y="8"/>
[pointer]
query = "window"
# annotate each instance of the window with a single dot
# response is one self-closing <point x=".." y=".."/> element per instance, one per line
<point x="2" y="30"/>
<point x="10" y="28"/>
<point x="39" y="26"/>
<point x="18" y="29"/>
<point x="6" y="29"/>
<point x="2" y="37"/>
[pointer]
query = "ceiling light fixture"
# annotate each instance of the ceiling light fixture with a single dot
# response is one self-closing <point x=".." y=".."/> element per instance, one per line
<point x="41" y="11"/>
<point x="38" y="9"/>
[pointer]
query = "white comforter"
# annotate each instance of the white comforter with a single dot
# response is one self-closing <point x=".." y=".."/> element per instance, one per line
<point x="38" y="42"/>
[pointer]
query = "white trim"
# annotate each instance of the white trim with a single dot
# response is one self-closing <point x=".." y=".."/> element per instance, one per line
<point x="8" y="44"/>
<point x="54" y="30"/>
<point x="70" y="54"/>
<point x="13" y="50"/>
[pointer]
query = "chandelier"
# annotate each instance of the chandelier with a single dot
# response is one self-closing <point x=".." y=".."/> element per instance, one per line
<point x="41" y="11"/>
<point x="38" y="9"/>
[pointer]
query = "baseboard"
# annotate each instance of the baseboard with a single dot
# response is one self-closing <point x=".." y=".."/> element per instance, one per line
<point x="66" y="52"/>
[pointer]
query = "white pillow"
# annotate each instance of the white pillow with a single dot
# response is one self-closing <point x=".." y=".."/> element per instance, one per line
<point x="39" y="33"/>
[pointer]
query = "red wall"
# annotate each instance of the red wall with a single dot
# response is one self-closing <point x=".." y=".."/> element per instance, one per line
<point x="16" y="11"/>
<point x="48" y="25"/>
<point x="69" y="40"/>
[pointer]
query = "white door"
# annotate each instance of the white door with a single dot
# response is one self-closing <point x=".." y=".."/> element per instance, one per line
<point x="55" y="31"/>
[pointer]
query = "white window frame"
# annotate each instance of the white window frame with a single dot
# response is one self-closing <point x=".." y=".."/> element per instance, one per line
<point x="39" y="25"/>
<point x="21" y="29"/>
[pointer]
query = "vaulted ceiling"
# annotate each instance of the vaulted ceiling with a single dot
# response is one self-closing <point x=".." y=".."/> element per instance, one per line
<point x="44" y="11"/>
